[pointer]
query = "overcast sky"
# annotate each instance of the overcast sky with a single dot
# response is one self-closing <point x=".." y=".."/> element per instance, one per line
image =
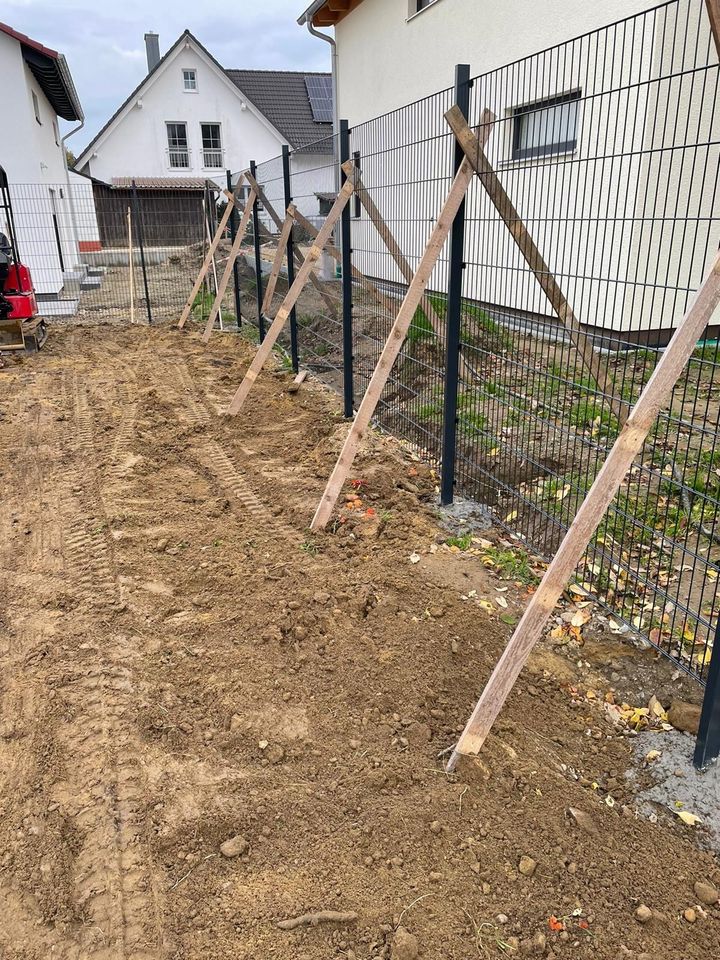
<point x="103" y="41"/>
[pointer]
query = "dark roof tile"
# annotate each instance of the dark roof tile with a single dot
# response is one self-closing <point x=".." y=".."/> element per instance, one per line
<point x="281" y="96"/>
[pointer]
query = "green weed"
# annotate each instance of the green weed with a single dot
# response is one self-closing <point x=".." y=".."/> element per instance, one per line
<point x="462" y="543"/>
<point x="512" y="565"/>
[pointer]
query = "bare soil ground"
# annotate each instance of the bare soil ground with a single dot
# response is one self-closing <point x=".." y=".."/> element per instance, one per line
<point x="183" y="664"/>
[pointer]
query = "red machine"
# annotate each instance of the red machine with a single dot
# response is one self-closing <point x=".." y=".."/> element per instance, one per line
<point x="20" y="326"/>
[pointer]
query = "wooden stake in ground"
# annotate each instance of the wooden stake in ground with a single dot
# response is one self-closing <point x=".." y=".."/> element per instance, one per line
<point x="232" y="197"/>
<point x="214" y="268"/>
<point x="293" y="293"/>
<point x="654" y="396"/>
<point x="395" y="340"/>
<point x="277" y="262"/>
<point x="131" y="265"/>
<point x="520" y="234"/>
<point x="227" y="272"/>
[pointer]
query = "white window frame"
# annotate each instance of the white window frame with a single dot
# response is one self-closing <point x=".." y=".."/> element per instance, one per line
<point x="193" y="71"/>
<point x="171" y="150"/>
<point x="211" y="123"/>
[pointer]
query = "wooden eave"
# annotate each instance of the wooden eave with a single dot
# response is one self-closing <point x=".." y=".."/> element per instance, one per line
<point x="333" y="11"/>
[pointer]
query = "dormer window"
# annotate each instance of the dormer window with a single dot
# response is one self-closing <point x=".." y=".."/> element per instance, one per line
<point x="189" y="81"/>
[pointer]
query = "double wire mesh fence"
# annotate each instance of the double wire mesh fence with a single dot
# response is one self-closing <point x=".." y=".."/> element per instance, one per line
<point x="605" y="149"/>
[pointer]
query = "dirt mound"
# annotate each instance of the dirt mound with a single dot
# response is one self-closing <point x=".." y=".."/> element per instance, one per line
<point x="213" y="722"/>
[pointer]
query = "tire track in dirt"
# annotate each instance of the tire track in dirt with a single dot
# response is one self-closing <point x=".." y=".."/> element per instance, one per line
<point x="34" y="570"/>
<point x="217" y="462"/>
<point x="112" y="869"/>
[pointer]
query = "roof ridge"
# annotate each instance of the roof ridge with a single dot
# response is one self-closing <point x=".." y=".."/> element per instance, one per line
<point x="299" y="73"/>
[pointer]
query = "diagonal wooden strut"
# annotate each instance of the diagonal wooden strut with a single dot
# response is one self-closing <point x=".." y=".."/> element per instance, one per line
<point x="394" y="343"/>
<point x="386" y="302"/>
<point x="297" y="256"/>
<point x="293" y="293"/>
<point x="227" y="272"/>
<point x="395" y="251"/>
<point x="527" y="246"/>
<point x="232" y="197"/>
<point x="654" y="396"/>
<point x="277" y="262"/>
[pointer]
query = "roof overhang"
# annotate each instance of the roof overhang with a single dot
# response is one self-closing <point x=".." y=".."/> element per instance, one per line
<point x="326" y="13"/>
<point x="52" y="73"/>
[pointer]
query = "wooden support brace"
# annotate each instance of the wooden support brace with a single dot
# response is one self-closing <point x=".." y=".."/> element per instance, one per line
<point x="395" y="251"/>
<point x="277" y="262"/>
<point x="520" y="234"/>
<point x="274" y="216"/>
<point x="232" y="197"/>
<point x="394" y="343"/>
<point x="713" y="9"/>
<point x="654" y="396"/>
<point x="293" y="293"/>
<point x="386" y="302"/>
<point x="227" y="272"/>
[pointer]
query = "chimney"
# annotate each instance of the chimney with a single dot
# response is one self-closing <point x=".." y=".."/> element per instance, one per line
<point x="152" y="46"/>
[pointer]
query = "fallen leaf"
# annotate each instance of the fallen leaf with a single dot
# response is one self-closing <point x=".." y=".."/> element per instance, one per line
<point x="501" y="601"/>
<point x="555" y="924"/>
<point x="691" y="819"/>
<point x="652" y="755"/>
<point x="580" y="618"/>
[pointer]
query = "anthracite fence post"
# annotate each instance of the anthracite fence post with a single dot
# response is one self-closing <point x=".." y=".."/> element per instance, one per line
<point x="347" y="304"/>
<point x="233" y="234"/>
<point x="707" y="745"/>
<point x="454" y="312"/>
<point x="294" y="355"/>
<point x="139" y="232"/>
<point x="258" y="262"/>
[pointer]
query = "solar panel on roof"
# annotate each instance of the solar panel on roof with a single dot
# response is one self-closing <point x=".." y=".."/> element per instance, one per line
<point x="319" y="91"/>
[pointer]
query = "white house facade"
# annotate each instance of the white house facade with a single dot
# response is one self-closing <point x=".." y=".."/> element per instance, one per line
<point x="601" y="138"/>
<point x="37" y="91"/>
<point x="190" y="117"/>
<point x="391" y="52"/>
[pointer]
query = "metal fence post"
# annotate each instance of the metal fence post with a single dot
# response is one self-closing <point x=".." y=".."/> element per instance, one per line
<point x="233" y="234"/>
<point x="139" y="232"/>
<point x="707" y="745"/>
<point x="294" y="355"/>
<point x="258" y="261"/>
<point x="347" y="291"/>
<point x="454" y="312"/>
